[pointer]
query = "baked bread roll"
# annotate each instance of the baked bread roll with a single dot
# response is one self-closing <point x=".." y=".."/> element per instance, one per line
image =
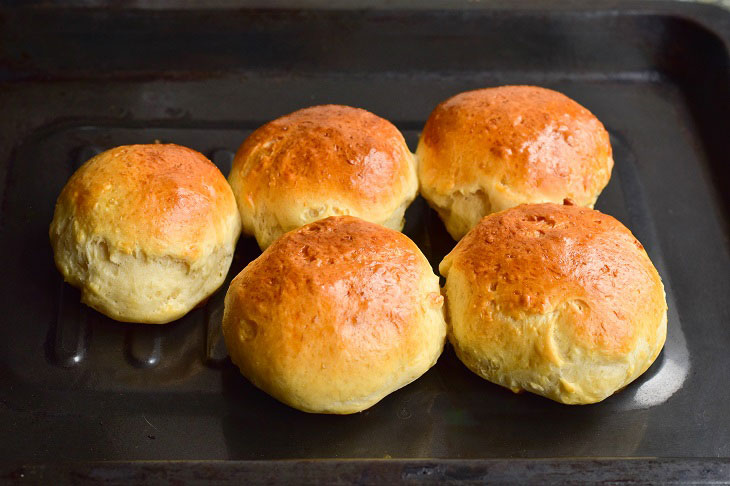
<point x="561" y="301"/>
<point x="146" y="232"/>
<point x="334" y="316"/>
<point x="491" y="149"/>
<point x="318" y="162"/>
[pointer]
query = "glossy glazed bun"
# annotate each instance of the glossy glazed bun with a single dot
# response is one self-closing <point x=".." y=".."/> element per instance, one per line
<point x="146" y="232"/>
<point x="318" y="162"/>
<point x="487" y="150"/>
<point x="334" y="316"/>
<point x="561" y="301"/>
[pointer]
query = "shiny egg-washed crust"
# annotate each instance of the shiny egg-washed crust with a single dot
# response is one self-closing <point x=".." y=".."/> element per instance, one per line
<point x="562" y="301"/>
<point x="164" y="199"/>
<point x="145" y="231"/>
<point x="487" y="150"/>
<point x="318" y="162"/>
<point x="334" y="316"/>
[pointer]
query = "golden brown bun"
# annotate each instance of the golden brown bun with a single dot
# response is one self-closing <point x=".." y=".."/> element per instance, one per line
<point x="145" y="231"/>
<point x="561" y="301"/>
<point x="491" y="149"/>
<point x="334" y="316"/>
<point x="318" y="162"/>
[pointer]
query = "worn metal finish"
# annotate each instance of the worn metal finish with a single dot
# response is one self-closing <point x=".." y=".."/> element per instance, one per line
<point x="376" y="472"/>
<point x="78" y="387"/>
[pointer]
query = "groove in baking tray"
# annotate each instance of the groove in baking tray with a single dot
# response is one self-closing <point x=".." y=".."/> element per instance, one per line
<point x="69" y="333"/>
<point x="143" y="347"/>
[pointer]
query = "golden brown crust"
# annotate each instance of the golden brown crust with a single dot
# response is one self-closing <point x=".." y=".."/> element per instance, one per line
<point x="537" y="256"/>
<point x="146" y="232"/>
<point x="335" y="315"/>
<point x="515" y="144"/>
<point x="163" y="198"/>
<point x="343" y="149"/>
<point x="321" y="161"/>
<point x="559" y="300"/>
<point x="543" y="139"/>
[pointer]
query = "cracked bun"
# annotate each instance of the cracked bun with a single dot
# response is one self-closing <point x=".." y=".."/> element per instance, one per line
<point x="491" y="149"/>
<point x="318" y="162"/>
<point x="335" y="315"/>
<point x="561" y="301"/>
<point x="146" y="232"/>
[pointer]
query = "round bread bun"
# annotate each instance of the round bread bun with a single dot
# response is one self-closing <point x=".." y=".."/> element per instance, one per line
<point x="491" y="149"/>
<point x="322" y="161"/>
<point x="561" y="301"/>
<point x="334" y="316"/>
<point x="146" y="232"/>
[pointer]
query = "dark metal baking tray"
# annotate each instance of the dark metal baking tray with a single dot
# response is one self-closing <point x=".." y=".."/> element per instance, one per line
<point x="78" y="388"/>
